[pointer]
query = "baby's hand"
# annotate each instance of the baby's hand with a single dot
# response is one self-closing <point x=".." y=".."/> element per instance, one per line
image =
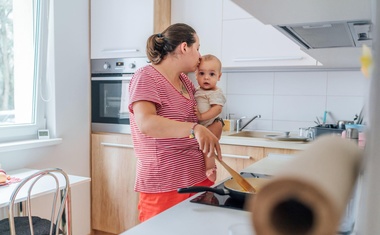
<point x="197" y="113"/>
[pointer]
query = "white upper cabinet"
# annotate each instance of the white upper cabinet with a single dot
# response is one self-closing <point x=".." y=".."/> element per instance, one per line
<point x="231" y="11"/>
<point x="247" y="42"/>
<point x="120" y="28"/>
<point x="236" y="37"/>
<point x="205" y="16"/>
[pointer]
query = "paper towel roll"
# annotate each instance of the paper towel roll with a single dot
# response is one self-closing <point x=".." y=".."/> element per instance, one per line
<point x="309" y="195"/>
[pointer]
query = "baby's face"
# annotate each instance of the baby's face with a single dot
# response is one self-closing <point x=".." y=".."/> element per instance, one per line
<point x="208" y="74"/>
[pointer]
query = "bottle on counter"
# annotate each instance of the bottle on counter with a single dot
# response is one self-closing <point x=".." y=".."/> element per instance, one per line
<point x="355" y="135"/>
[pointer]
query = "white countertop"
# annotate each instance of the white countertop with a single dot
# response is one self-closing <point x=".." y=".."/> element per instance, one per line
<point x="270" y="164"/>
<point x="262" y="142"/>
<point x="189" y="218"/>
<point x="255" y="142"/>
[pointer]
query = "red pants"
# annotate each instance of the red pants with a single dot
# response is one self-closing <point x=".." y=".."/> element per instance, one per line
<point x="151" y="204"/>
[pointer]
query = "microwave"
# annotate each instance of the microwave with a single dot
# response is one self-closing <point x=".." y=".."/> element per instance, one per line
<point x="110" y="93"/>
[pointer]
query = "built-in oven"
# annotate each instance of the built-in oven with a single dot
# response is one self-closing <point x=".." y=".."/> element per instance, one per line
<point x="110" y="93"/>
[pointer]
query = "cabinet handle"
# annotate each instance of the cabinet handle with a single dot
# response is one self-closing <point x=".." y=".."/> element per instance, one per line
<point x="124" y="77"/>
<point x="268" y="58"/>
<point x="120" y="50"/>
<point x="128" y="146"/>
<point x="236" y="156"/>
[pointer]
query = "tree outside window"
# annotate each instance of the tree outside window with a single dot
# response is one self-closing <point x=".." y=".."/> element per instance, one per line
<point x="23" y="43"/>
<point x="6" y="63"/>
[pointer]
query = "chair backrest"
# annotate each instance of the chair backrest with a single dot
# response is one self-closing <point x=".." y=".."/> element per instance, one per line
<point x="61" y="199"/>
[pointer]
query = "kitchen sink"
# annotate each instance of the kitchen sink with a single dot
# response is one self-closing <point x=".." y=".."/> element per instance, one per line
<point x="255" y="134"/>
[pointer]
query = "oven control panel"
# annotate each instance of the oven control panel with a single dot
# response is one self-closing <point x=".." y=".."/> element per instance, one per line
<point x="117" y="65"/>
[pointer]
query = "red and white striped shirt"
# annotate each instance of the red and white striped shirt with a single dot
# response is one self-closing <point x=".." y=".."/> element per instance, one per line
<point x="164" y="164"/>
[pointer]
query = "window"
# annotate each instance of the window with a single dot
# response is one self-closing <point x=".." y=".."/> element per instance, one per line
<point x="23" y="49"/>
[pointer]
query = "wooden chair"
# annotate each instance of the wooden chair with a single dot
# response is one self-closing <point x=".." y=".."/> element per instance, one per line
<point x="60" y="220"/>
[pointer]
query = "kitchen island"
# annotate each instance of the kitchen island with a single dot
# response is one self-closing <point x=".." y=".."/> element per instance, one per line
<point x="189" y="218"/>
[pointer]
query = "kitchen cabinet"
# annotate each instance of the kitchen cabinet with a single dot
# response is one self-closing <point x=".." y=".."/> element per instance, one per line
<point x="236" y="37"/>
<point x="247" y="42"/>
<point x="120" y="28"/>
<point x="194" y="14"/>
<point x="239" y="157"/>
<point x="162" y="15"/>
<point x="279" y="151"/>
<point x="114" y="201"/>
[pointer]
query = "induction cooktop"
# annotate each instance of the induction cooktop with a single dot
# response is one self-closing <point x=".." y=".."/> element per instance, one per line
<point x="214" y="199"/>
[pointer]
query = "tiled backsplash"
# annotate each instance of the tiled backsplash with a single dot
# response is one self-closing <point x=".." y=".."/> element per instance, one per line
<point x="287" y="101"/>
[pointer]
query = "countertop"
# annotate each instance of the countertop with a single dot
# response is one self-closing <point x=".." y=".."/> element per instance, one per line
<point x="261" y="142"/>
<point x="247" y="141"/>
<point x="188" y="218"/>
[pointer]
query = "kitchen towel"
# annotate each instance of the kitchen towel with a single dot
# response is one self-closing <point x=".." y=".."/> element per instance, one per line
<point x="309" y="195"/>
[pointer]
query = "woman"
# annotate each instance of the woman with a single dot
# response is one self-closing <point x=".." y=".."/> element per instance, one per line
<point x="168" y="141"/>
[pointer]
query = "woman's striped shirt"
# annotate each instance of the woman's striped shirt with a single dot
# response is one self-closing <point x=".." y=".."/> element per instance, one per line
<point x="164" y="164"/>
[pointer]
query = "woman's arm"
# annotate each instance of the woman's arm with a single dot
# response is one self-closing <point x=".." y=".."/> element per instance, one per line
<point x="156" y="126"/>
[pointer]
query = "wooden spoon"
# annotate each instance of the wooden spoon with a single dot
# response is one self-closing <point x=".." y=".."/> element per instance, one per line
<point x="237" y="177"/>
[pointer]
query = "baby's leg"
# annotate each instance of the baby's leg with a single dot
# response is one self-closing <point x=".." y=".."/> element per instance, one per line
<point x="216" y="129"/>
<point x="210" y="168"/>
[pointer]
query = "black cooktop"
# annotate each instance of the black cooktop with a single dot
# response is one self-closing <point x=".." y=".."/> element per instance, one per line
<point x="214" y="199"/>
<point x="225" y="201"/>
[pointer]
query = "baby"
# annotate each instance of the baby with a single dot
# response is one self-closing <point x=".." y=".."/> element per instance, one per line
<point x="210" y="100"/>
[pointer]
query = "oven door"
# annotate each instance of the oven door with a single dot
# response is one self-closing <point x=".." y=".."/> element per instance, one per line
<point x="109" y="101"/>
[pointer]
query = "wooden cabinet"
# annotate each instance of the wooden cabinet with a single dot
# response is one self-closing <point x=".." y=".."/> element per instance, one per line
<point x="279" y="151"/>
<point x="239" y="157"/>
<point x="120" y="28"/>
<point x="114" y="201"/>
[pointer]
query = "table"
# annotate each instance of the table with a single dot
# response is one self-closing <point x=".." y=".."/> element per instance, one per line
<point x="44" y="187"/>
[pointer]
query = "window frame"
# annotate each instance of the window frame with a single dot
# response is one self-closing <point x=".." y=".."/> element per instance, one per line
<point x="21" y="132"/>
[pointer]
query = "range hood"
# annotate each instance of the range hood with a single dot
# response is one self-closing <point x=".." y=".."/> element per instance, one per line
<point x="332" y="32"/>
<point x="329" y="34"/>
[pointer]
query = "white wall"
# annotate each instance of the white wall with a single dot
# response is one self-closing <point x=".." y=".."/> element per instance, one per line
<point x="70" y="107"/>
<point x="287" y="101"/>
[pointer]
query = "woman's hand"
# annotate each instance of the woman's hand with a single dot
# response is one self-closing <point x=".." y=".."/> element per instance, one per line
<point x="208" y="142"/>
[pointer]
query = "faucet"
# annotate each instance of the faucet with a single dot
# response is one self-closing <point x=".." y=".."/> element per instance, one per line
<point x="238" y="122"/>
